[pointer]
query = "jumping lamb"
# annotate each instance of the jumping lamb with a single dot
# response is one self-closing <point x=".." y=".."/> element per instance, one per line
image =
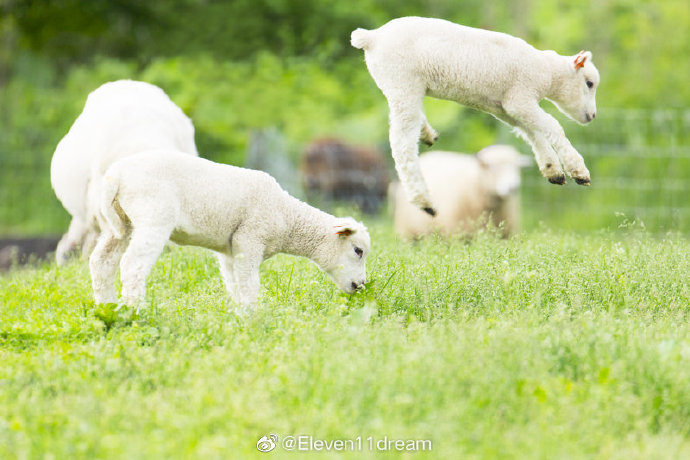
<point x="243" y="215"/>
<point x="412" y="57"/>
<point x="119" y="118"/>
<point x="469" y="190"/>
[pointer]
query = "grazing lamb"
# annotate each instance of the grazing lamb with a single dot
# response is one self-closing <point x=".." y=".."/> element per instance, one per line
<point x="411" y="57"/>
<point x="469" y="190"/>
<point x="241" y="214"/>
<point x="340" y="171"/>
<point x="120" y="118"/>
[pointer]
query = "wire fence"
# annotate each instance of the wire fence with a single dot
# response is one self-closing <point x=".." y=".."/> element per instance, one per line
<point x="639" y="162"/>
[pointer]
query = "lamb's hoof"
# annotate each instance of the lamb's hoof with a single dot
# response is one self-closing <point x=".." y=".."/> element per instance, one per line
<point x="585" y="182"/>
<point x="430" y="211"/>
<point x="558" y="180"/>
<point x="430" y="141"/>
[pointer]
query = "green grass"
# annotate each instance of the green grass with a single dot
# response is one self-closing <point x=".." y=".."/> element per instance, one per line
<point x="546" y="346"/>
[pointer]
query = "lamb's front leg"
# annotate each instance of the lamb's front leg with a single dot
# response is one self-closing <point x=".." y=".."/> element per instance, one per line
<point x="572" y="160"/>
<point x="547" y="160"/>
<point x="227" y="271"/>
<point x="247" y="256"/>
<point x="543" y="129"/>
<point x="405" y="122"/>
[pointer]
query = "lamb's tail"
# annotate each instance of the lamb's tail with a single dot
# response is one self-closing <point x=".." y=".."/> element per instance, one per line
<point x="111" y="185"/>
<point x="362" y="38"/>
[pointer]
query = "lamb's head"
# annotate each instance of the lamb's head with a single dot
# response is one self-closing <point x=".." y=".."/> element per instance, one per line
<point x="343" y="255"/>
<point x="576" y="92"/>
<point x="500" y="166"/>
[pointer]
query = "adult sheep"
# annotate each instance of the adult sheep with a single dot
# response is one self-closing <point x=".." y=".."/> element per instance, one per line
<point x="242" y="215"/>
<point x="469" y="190"/>
<point x="411" y="57"/>
<point x="119" y="118"/>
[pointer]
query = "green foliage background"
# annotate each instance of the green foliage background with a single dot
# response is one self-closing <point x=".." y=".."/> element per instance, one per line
<point x="235" y="66"/>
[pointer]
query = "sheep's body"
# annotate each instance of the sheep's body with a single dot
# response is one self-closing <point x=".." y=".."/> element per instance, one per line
<point x="469" y="190"/>
<point x="411" y="57"/>
<point x="119" y="119"/>
<point x="241" y="214"/>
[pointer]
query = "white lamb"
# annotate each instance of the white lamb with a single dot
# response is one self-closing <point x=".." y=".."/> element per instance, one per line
<point x="411" y="57"/>
<point x="120" y="118"/>
<point x="469" y="190"/>
<point x="241" y="214"/>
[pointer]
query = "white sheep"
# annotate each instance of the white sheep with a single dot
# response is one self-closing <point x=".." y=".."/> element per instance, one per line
<point x="241" y="214"/>
<point x="411" y="57"/>
<point x="469" y="190"/>
<point x="119" y="118"/>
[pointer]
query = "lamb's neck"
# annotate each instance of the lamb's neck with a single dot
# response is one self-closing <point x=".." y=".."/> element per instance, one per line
<point x="560" y="71"/>
<point x="307" y="229"/>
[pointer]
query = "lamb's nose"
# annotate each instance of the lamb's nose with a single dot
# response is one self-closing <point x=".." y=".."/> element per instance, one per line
<point x="357" y="287"/>
<point x="594" y="115"/>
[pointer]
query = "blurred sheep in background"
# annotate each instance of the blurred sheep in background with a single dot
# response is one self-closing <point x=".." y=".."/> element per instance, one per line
<point x="469" y="191"/>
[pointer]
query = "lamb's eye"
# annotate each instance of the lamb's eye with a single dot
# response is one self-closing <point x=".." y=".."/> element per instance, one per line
<point x="359" y="252"/>
<point x="589" y="83"/>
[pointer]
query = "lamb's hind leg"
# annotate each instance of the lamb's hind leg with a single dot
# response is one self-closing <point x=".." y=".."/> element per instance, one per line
<point x="405" y="121"/>
<point x="71" y="241"/>
<point x="145" y="246"/>
<point x="429" y="135"/>
<point x="103" y="266"/>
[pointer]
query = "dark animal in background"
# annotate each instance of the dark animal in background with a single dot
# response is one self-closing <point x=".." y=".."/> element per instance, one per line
<point x="22" y="251"/>
<point x="334" y="170"/>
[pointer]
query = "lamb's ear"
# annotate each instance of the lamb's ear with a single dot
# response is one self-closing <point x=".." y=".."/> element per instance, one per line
<point x="581" y="58"/>
<point x="484" y="157"/>
<point x="344" y="230"/>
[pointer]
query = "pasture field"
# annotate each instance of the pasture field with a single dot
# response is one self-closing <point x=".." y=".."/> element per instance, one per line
<point x="549" y="345"/>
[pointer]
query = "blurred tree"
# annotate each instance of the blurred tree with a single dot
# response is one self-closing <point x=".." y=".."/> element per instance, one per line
<point x="75" y="31"/>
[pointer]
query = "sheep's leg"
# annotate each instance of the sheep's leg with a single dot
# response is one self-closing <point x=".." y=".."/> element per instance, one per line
<point x="544" y="130"/>
<point x="247" y="257"/>
<point x="429" y="135"/>
<point x="405" y="122"/>
<point x="227" y="271"/>
<point x="71" y="240"/>
<point x="572" y="160"/>
<point x="145" y="245"/>
<point x="544" y="154"/>
<point x="103" y="266"/>
<point x="546" y="158"/>
<point x="89" y="243"/>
